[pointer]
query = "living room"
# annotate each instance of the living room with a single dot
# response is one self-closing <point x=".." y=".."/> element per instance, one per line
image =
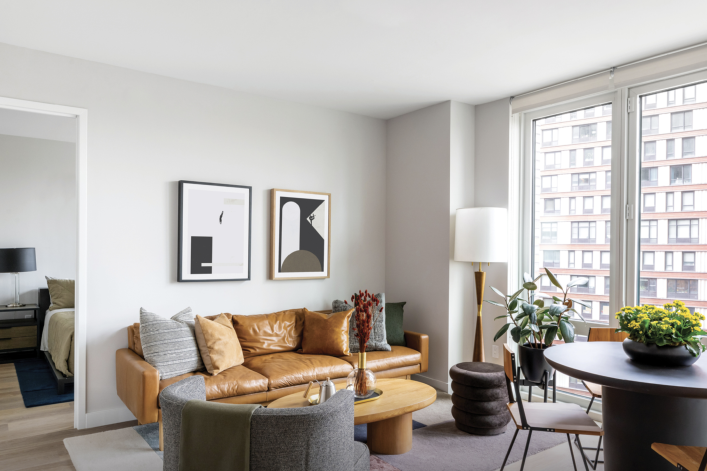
<point x="348" y="143"/>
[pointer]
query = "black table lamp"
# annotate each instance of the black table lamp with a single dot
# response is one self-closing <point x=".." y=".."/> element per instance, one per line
<point x="15" y="261"/>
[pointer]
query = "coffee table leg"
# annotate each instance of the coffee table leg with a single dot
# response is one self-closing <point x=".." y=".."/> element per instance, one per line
<point x="391" y="436"/>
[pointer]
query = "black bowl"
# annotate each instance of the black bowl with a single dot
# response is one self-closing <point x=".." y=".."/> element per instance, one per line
<point x="654" y="355"/>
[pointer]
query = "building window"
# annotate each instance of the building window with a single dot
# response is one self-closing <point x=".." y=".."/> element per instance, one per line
<point x="584" y="181"/>
<point x="606" y="109"/>
<point x="575" y="383"/>
<point x="545" y="284"/>
<point x="688" y="147"/>
<point x="573" y="158"/>
<point x="551" y="119"/>
<point x="680" y="174"/>
<point x="607" y="286"/>
<point x="584" y="133"/>
<point x="681" y="121"/>
<point x="587" y="259"/>
<point x="570" y="259"/>
<point x="589" y="113"/>
<point x="607" y="232"/>
<point x="605" y="259"/>
<point x="588" y="205"/>
<point x="588" y="157"/>
<point x="548" y="184"/>
<point x="552" y="205"/>
<point x="683" y="231"/>
<point x="688" y="200"/>
<point x="670" y="149"/>
<point x="649" y="176"/>
<point x="604" y="312"/>
<point x="650" y="101"/>
<point x="608" y="130"/>
<point x="584" y="232"/>
<point x="588" y="287"/>
<point x="606" y="204"/>
<point x="549" y="233"/>
<point x="649" y="151"/>
<point x="668" y="261"/>
<point x="670" y="202"/>
<point x="688" y="261"/>
<point x="552" y="160"/>
<point x="649" y="232"/>
<point x="682" y="289"/>
<point x="648" y="260"/>
<point x="551" y="258"/>
<point x="689" y="95"/>
<point x="649" y="203"/>
<point x="573" y="205"/>
<point x="551" y="137"/>
<point x="671" y="97"/>
<point x="607" y="180"/>
<point x="649" y="125"/>
<point x="649" y="287"/>
<point x="606" y="155"/>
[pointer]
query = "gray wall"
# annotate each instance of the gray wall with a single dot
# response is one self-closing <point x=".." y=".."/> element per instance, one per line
<point x="146" y="132"/>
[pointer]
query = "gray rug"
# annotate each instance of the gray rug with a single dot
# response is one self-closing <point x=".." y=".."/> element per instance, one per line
<point x="442" y="446"/>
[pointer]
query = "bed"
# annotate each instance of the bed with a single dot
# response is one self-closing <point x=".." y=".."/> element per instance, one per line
<point x="57" y="340"/>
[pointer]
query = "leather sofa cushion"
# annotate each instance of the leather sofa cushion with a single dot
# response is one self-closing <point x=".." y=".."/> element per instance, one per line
<point x="396" y="358"/>
<point x="326" y="334"/>
<point x="218" y="343"/>
<point x="235" y="381"/>
<point x="291" y="369"/>
<point x="270" y="333"/>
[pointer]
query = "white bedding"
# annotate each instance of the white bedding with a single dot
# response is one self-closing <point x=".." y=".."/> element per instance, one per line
<point x="44" y="344"/>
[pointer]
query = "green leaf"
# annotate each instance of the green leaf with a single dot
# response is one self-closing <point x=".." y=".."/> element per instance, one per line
<point x="547" y="326"/>
<point x="567" y="330"/>
<point x="581" y="303"/>
<point x="524" y="324"/>
<point x="515" y="334"/>
<point x="525" y="332"/>
<point x="499" y="293"/>
<point x="550" y="335"/>
<point x="578" y="282"/>
<point x="533" y="318"/>
<point x="521" y="315"/>
<point x="501" y="317"/>
<point x="556" y="299"/>
<point x="539" y="303"/>
<point x="537" y="278"/>
<point x="534" y="328"/>
<point x="495" y="303"/>
<point x="553" y="280"/>
<point x="530" y="286"/>
<point x="513" y="305"/>
<point x="501" y="331"/>
<point x="516" y="294"/>
<point x="528" y="308"/>
<point x="557" y="309"/>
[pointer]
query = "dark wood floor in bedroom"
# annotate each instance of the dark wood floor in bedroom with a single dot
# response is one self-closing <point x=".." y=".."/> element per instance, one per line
<point x="32" y="439"/>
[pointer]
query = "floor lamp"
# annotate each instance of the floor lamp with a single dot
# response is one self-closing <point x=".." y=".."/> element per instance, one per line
<point x="481" y="236"/>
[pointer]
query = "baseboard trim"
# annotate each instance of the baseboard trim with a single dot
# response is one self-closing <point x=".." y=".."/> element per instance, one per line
<point x="108" y="417"/>
<point x="435" y="383"/>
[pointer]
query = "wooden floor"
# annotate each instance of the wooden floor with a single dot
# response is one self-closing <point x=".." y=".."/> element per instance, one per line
<point x="32" y="439"/>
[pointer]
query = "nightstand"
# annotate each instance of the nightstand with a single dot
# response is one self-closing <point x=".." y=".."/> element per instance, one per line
<point x="19" y="335"/>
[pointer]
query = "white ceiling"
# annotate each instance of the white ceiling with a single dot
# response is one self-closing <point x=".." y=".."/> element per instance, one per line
<point x="39" y="126"/>
<point x="379" y="58"/>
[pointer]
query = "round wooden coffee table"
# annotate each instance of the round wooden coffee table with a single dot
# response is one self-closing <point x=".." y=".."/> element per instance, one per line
<point x="389" y="418"/>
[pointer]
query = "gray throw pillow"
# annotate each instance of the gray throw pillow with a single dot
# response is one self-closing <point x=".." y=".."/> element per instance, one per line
<point x="378" y="339"/>
<point x="169" y="345"/>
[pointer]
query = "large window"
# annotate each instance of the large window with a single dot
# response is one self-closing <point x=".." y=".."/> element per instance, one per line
<point x="688" y="147"/>
<point x="681" y="121"/>
<point x="649" y="176"/>
<point x="552" y="205"/>
<point x="584" y="232"/>
<point x="584" y="133"/>
<point x="650" y="125"/>
<point x="551" y="258"/>
<point x="683" y="231"/>
<point x="549" y="233"/>
<point x="649" y="232"/>
<point x="680" y="174"/>
<point x="682" y="289"/>
<point x="549" y="184"/>
<point x="584" y="181"/>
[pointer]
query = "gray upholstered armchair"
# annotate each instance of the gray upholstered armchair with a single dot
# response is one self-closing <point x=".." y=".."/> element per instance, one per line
<point x="308" y="438"/>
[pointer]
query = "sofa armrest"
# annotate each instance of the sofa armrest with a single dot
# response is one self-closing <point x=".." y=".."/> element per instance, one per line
<point x="138" y="385"/>
<point x="421" y="343"/>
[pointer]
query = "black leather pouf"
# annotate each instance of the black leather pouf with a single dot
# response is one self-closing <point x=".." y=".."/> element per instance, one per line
<point x="479" y="397"/>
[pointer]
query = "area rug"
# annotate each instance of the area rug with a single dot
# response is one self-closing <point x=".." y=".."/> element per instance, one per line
<point x="38" y="385"/>
<point x="117" y="450"/>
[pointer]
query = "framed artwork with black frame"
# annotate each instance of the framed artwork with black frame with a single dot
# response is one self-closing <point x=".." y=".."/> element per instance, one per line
<point x="300" y="232"/>
<point x="214" y="232"/>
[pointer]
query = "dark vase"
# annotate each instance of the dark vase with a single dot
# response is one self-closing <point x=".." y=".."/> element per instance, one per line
<point x="533" y="363"/>
<point x="654" y="355"/>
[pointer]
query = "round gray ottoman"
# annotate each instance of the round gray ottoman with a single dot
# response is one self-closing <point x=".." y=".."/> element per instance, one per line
<point x="479" y="397"/>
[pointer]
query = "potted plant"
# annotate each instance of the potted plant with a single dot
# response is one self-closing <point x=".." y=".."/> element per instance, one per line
<point x="668" y="337"/>
<point x="535" y="326"/>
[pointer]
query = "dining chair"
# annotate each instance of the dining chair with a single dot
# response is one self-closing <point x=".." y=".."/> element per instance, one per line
<point x="554" y="417"/>
<point x="691" y="458"/>
<point x="599" y="334"/>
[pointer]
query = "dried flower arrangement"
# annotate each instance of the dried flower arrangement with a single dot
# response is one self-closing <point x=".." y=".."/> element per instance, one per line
<point x="365" y="304"/>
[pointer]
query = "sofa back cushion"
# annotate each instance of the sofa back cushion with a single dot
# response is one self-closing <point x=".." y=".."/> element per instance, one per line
<point x="270" y="333"/>
<point x="326" y="334"/>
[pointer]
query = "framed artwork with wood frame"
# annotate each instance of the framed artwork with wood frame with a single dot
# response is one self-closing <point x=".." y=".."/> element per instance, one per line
<point x="300" y="235"/>
<point x="214" y="232"/>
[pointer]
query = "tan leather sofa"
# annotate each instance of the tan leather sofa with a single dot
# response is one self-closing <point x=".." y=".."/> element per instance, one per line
<point x="264" y="376"/>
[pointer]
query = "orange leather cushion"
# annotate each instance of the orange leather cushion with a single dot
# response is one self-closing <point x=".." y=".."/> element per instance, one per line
<point x="292" y="369"/>
<point x="396" y="358"/>
<point x="236" y="381"/>
<point x="326" y="334"/>
<point x="218" y="343"/>
<point x="136" y="340"/>
<point x="270" y="333"/>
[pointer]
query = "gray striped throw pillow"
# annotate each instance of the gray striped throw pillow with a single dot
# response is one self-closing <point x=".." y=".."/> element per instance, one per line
<point x="169" y="345"/>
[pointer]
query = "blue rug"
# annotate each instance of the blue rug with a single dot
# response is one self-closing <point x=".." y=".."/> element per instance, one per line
<point x="38" y="385"/>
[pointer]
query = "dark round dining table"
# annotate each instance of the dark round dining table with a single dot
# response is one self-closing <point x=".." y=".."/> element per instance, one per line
<point x="641" y="404"/>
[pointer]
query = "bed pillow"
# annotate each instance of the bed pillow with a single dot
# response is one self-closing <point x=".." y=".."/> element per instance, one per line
<point x="394" y="324"/>
<point x="61" y="293"/>
<point x="326" y="334"/>
<point x="218" y="343"/>
<point x="170" y="345"/>
<point x="378" y="340"/>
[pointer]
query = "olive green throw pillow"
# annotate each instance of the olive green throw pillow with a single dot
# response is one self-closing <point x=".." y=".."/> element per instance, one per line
<point x="61" y="293"/>
<point x="394" y="324"/>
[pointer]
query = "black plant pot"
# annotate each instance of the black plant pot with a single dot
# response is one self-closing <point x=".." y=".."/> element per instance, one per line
<point x="654" y="355"/>
<point x="533" y="363"/>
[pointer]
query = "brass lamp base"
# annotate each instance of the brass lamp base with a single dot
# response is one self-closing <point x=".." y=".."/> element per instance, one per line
<point x="480" y="279"/>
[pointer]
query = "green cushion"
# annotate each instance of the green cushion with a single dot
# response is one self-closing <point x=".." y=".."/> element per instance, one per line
<point x="394" y="324"/>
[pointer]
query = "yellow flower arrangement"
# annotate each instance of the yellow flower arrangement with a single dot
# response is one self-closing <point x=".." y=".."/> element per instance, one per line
<point x="671" y="325"/>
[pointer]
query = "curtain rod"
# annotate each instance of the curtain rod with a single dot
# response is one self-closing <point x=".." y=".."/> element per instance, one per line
<point x="610" y="70"/>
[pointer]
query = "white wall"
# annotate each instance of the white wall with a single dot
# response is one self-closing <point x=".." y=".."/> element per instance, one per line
<point x="146" y="132"/>
<point x="38" y="209"/>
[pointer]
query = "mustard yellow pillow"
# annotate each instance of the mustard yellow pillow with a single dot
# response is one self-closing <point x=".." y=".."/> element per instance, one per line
<point x="326" y="334"/>
<point x="61" y="293"/>
<point x="218" y="343"/>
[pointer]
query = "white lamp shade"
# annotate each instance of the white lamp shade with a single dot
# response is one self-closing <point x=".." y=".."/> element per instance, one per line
<point x="481" y="235"/>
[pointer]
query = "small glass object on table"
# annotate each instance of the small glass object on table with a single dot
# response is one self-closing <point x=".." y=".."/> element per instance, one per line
<point x="361" y="380"/>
